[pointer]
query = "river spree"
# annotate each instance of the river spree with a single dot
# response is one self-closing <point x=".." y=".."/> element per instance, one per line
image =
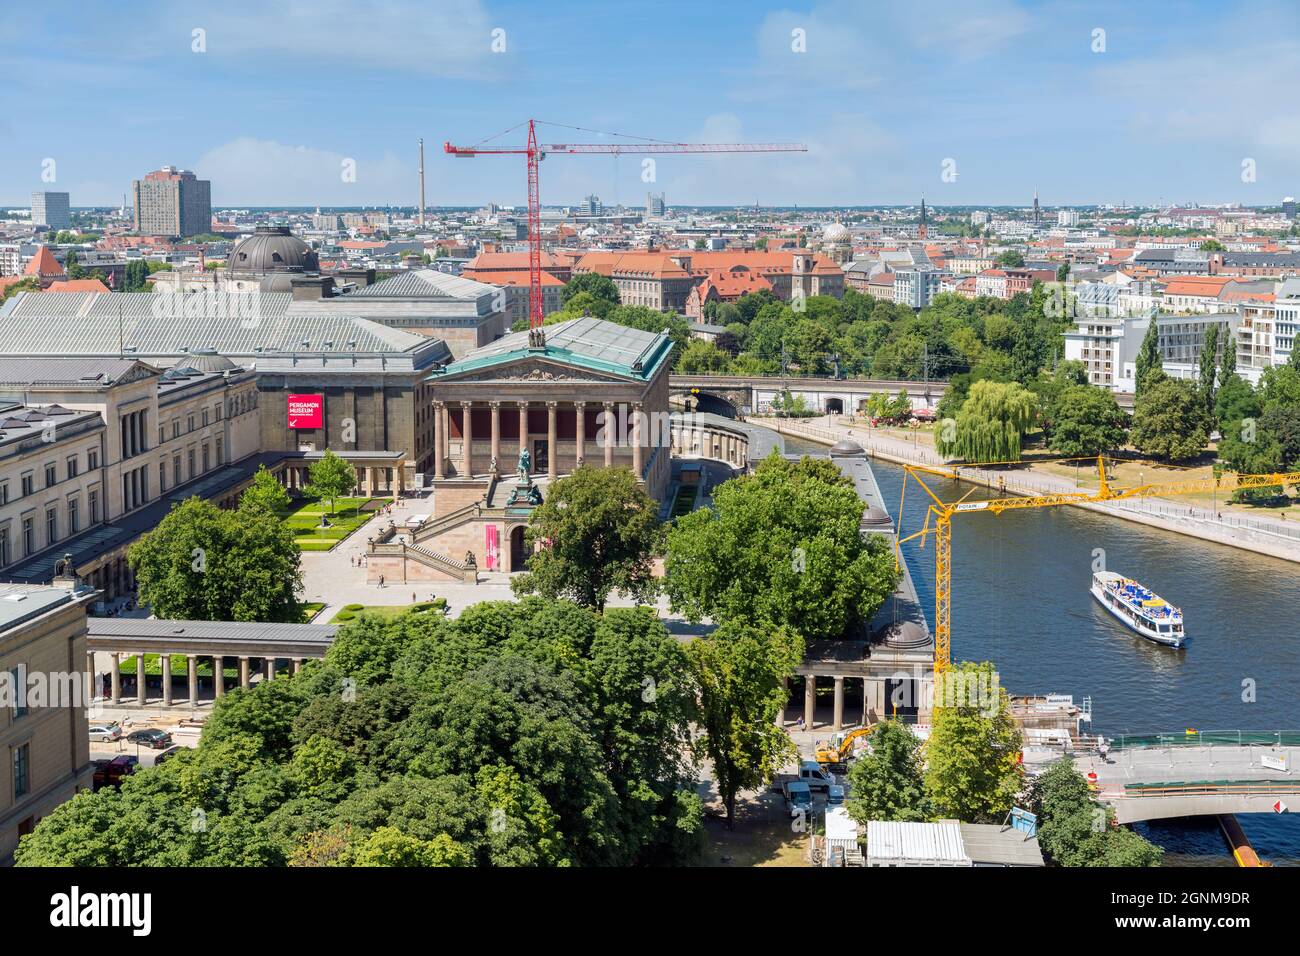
<point x="1020" y="599"/>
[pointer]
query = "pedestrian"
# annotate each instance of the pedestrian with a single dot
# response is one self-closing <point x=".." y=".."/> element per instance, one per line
<point x="799" y="722"/>
<point x="413" y="597"/>
<point x="381" y="580"/>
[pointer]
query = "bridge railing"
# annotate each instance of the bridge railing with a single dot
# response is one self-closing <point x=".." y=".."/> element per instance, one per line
<point x="1180" y="788"/>
<point x="1206" y="738"/>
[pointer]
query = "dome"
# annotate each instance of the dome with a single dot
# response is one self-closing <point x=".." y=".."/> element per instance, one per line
<point x="276" y="282"/>
<point x="207" y="360"/>
<point x="846" y="448"/>
<point x="836" y="232"/>
<point x="906" y="634"/>
<point x="271" y="249"/>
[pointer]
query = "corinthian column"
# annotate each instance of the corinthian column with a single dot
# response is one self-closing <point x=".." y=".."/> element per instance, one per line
<point x="553" y="453"/>
<point x="580" y="411"/>
<point x="467" y="438"/>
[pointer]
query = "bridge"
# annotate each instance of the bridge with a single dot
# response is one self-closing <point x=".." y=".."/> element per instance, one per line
<point x="738" y="395"/>
<point x="1194" y="774"/>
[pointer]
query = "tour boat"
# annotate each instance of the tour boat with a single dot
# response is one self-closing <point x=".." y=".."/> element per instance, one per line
<point x="1139" y="609"/>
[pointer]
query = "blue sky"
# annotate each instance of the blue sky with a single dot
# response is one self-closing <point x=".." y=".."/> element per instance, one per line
<point x="883" y="92"/>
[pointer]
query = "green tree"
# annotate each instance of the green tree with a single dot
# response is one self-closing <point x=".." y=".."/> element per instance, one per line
<point x="780" y="548"/>
<point x="739" y="672"/>
<point x="1011" y="259"/>
<point x="1148" y="358"/>
<point x="265" y="492"/>
<point x="702" y="358"/>
<point x="208" y="564"/>
<point x="330" y="477"/>
<point x="972" y="757"/>
<point x="1211" y="245"/>
<point x="1087" y="421"/>
<point x="1209" y="363"/>
<point x="888" y="782"/>
<point x="389" y="846"/>
<point x="71" y="267"/>
<point x="1170" y="421"/>
<point x="599" y="532"/>
<point x="991" y="424"/>
<point x="1075" y="830"/>
<point x="599" y="286"/>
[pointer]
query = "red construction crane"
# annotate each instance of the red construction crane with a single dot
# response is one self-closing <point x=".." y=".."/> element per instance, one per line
<point x="536" y="153"/>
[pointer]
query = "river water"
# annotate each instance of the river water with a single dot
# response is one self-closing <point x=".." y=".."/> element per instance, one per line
<point x="1021" y="600"/>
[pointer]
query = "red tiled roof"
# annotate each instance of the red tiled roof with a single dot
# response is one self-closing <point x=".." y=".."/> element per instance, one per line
<point x="514" y="277"/>
<point x="44" y="265"/>
<point x="77" y="285"/>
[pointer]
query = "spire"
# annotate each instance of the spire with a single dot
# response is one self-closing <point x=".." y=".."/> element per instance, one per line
<point x="924" y="231"/>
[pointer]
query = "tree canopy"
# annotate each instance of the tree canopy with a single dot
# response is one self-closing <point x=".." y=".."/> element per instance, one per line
<point x="780" y="547"/>
<point x="598" y="532"/>
<point x="210" y="564"/>
<point x="1170" y="420"/>
<point x="535" y="733"/>
<point x="991" y="424"/>
<point x="330" y="478"/>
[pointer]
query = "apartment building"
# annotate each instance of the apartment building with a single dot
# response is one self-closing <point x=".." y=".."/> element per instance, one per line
<point x="1108" y="348"/>
<point x="172" y="202"/>
<point x="1266" y="332"/>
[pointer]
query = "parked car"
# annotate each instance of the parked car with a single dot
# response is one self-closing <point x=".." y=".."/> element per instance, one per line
<point x="835" y="795"/>
<point x="150" y="737"/>
<point x="168" y="754"/>
<point x="811" y="773"/>
<point x="798" y="798"/>
<point x="106" y="731"/>
<point x="109" y="773"/>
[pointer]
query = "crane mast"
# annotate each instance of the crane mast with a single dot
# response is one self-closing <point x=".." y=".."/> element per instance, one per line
<point x="534" y="153"/>
<point x="942" y="512"/>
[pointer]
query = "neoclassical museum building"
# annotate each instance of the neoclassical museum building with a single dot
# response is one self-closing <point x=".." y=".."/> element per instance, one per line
<point x="513" y="416"/>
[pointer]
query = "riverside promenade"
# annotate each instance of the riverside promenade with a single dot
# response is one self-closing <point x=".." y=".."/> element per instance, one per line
<point x="1270" y="536"/>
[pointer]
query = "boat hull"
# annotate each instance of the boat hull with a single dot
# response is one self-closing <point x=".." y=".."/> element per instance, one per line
<point x="1164" y="640"/>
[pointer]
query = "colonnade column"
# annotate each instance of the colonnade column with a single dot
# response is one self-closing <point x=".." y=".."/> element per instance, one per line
<point x="439" y="433"/>
<point x="809" y="701"/>
<point x="837" y="721"/>
<point x="580" y="421"/>
<point x="297" y="665"/>
<point x="166" y="661"/>
<point x="218" y="677"/>
<point x="523" y="426"/>
<point x="637" y="438"/>
<point x="552" y="452"/>
<point x="496" y="438"/>
<point x="139" y="679"/>
<point x="243" y="673"/>
<point x="610" y="431"/>
<point x="115" y="677"/>
<point x="467" y="438"/>
<point x="192" y="673"/>
<point x="269" y="664"/>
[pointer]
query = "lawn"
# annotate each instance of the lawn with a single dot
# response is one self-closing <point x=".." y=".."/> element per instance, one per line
<point x="763" y="835"/>
<point x="310" y="609"/>
<point x="349" y="515"/>
<point x="350" y="612"/>
<point x="180" y="666"/>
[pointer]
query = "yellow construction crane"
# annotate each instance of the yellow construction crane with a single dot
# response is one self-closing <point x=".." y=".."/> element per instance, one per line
<point x="943" y="511"/>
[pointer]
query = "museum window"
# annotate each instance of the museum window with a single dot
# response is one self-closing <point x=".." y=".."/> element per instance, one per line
<point x="22" y="770"/>
<point x="29" y="537"/>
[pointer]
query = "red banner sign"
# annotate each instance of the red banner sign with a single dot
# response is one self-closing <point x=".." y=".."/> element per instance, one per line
<point x="306" y="411"/>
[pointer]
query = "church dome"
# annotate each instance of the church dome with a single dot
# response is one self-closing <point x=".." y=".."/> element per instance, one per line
<point x="269" y="250"/>
<point x="836" y="232"/>
<point x="207" y="360"/>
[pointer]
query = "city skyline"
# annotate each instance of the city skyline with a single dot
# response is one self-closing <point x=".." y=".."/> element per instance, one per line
<point x="273" y="105"/>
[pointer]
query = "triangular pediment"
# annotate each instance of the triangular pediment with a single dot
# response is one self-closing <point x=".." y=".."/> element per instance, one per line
<point x="530" y="370"/>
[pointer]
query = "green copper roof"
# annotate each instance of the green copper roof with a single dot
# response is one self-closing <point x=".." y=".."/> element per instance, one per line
<point x="588" y="343"/>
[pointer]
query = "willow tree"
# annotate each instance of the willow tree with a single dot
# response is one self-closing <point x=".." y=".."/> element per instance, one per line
<point x="991" y="423"/>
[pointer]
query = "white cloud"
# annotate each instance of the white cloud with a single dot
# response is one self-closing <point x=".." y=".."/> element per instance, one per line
<point x="256" y="172"/>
